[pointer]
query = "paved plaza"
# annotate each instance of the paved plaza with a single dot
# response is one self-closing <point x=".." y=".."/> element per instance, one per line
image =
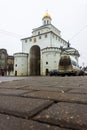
<point x="43" y="103"/>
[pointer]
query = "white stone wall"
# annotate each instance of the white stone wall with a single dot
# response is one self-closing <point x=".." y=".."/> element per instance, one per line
<point x="20" y="64"/>
<point x="41" y="31"/>
<point x="42" y="43"/>
<point x="46" y="29"/>
<point x="49" y="59"/>
<point x="57" y="41"/>
<point x="51" y="40"/>
<point x="55" y="30"/>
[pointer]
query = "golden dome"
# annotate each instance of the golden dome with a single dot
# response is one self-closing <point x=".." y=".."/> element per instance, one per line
<point x="47" y="16"/>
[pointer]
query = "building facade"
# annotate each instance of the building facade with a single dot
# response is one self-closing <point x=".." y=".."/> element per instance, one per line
<point x="43" y="50"/>
<point x="6" y="63"/>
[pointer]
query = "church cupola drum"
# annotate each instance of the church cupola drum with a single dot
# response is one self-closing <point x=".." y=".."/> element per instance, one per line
<point x="46" y="19"/>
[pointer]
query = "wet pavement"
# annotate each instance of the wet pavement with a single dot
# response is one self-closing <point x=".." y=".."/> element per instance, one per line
<point x="43" y="103"/>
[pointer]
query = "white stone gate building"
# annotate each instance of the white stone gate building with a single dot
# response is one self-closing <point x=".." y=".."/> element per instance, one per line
<point x="41" y="51"/>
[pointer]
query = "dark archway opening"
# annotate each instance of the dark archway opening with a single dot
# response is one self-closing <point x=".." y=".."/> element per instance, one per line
<point x="35" y="60"/>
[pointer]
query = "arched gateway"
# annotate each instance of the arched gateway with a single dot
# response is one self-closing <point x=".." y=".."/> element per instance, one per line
<point x="35" y="60"/>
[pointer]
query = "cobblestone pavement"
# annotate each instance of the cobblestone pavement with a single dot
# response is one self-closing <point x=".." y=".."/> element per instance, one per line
<point x="7" y="78"/>
<point x="44" y="103"/>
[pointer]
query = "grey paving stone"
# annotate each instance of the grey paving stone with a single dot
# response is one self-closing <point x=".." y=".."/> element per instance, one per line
<point x="23" y="107"/>
<point x="12" y="123"/>
<point x="44" y="81"/>
<point x="13" y="91"/>
<point x="46" y="88"/>
<point x="13" y="84"/>
<point x="78" y="90"/>
<point x="68" y="97"/>
<point x="65" y="115"/>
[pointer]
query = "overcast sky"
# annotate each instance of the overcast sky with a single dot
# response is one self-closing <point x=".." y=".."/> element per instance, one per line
<point x="19" y="17"/>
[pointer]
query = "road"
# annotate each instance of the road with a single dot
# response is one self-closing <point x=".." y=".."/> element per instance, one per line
<point x="43" y="103"/>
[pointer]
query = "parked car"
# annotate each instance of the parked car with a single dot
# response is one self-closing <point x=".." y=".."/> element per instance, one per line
<point x="85" y="72"/>
<point x="82" y="72"/>
<point x="54" y="72"/>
